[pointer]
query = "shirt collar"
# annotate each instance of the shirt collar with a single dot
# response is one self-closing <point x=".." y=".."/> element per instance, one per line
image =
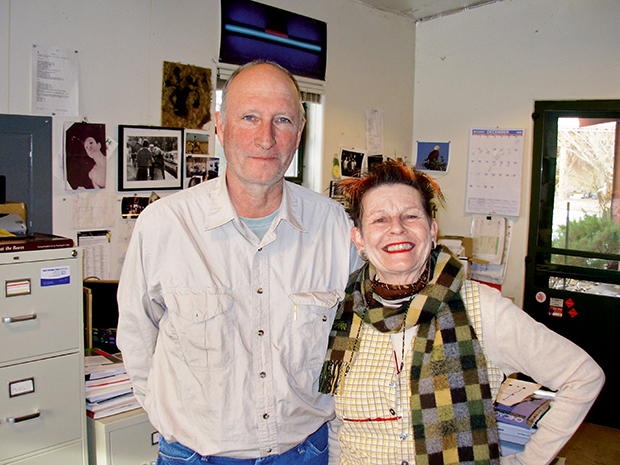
<point x="221" y="209"/>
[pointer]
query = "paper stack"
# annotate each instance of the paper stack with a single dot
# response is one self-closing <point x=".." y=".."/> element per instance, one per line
<point x="108" y="388"/>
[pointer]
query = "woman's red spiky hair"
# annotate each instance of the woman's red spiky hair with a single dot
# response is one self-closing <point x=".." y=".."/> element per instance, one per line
<point x="388" y="172"/>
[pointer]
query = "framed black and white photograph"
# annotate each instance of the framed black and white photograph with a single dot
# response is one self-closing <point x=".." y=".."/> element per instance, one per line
<point x="150" y="158"/>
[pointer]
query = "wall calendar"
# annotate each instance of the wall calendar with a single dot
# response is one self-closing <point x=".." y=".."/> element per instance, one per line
<point x="494" y="171"/>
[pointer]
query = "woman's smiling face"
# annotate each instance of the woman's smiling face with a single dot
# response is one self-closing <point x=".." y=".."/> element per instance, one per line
<point x="395" y="233"/>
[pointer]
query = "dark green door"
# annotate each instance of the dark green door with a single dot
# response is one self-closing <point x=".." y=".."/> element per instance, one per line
<point x="572" y="277"/>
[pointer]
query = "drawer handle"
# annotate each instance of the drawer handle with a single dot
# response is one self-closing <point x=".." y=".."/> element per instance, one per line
<point x="15" y="319"/>
<point x="36" y="414"/>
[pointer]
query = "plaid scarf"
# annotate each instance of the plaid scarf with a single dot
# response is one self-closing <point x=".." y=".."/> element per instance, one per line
<point x="451" y="404"/>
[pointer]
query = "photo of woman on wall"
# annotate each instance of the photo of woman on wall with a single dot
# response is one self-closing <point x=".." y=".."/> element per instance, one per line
<point x="85" y="156"/>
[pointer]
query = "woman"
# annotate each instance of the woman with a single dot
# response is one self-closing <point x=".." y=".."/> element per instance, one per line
<point x="86" y="163"/>
<point x="417" y="353"/>
<point x="97" y="173"/>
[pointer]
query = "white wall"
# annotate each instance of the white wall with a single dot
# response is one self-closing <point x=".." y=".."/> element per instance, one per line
<point x="485" y="68"/>
<point x="122" y="45"/>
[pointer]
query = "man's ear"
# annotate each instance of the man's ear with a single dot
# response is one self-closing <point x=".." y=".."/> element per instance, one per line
<point x="301" y="130"/>
<point x="219" y="127"/>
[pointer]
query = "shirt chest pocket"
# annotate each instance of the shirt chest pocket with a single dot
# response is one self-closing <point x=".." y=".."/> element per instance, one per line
<point x="200" y="323"/>
<point x="313" y="315"/>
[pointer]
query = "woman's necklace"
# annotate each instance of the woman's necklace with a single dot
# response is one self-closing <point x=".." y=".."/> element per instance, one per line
<point x="397" y="293"/>
<point x="400" y="367"/>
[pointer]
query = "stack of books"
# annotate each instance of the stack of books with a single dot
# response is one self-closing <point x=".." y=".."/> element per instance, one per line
<point x="108" y="388"/>
<point x="516" y="420"/>
<point x="34" y="241"/>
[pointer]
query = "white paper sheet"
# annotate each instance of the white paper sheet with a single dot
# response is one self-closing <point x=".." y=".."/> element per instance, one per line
<point x="54" y="81"/>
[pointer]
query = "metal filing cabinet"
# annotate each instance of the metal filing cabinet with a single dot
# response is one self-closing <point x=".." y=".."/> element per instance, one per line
<point x="123" y="439"/>
<point x="42" y="411"/>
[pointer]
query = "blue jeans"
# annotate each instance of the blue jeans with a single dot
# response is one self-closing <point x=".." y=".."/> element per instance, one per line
<point x="313" y="451"/>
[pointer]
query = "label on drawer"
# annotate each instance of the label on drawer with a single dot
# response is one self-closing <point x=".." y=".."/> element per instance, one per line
<point x="21" y="387"/>
<point x="17" y="287"/>
<point x="55" y="276"/>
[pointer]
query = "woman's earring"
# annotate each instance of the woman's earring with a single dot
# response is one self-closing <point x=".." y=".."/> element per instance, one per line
<point x="363" y="255"/>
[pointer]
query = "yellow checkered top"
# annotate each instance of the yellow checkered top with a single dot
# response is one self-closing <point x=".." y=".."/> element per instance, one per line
<point x="374" y="404"/>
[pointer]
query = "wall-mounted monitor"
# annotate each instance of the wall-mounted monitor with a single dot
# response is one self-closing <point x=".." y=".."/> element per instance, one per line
<point x="252" y="30"/>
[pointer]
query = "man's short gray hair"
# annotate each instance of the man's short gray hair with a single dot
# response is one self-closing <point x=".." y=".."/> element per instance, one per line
<point x="302" y="112"/>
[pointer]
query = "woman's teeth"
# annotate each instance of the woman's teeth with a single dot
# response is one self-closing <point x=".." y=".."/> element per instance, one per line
<point x="399" y="247"/>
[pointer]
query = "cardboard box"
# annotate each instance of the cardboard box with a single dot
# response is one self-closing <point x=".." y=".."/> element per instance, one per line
<point x="16" y="208"/>
<point x="468" y="246"/>
<point x="463" y="247"/>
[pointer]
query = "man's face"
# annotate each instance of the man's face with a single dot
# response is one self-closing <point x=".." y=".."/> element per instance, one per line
<point x="263" y="126"/>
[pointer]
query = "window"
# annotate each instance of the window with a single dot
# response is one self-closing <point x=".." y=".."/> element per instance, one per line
<point x="575" y="195"/>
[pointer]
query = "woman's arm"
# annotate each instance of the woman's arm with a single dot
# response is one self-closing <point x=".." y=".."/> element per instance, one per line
<point x="516" y="343"/>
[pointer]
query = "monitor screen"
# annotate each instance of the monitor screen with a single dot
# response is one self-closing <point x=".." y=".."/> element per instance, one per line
<point x="251" y="30"/>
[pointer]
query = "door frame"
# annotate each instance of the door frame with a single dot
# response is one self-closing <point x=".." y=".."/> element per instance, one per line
<point x="594" y="323"/>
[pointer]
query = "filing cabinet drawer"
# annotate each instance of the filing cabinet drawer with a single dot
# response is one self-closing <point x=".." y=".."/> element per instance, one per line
<point x="40" y="303"/>
<point x="38" y="407"/>
<point x="68" y="455"/>
<point x="124" y="439"/>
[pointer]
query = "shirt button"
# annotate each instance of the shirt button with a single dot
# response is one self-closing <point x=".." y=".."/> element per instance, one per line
<point x="265" y="416"/>
<point x="324" y="318"/>
<point x="260" y="290"/>
<point x="402" y="436"/>
<point x="392" y="411"/>
<point x="404" y="462"/>
<point x="260" y="250"/>
<point x="392" y="384"/>
<point x="268" y="451"/>
<point x="263" y="374"/>
<point x="261" y="332"/>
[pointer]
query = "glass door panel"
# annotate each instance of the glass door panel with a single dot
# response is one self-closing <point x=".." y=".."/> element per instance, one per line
<point x="583" y="211"/>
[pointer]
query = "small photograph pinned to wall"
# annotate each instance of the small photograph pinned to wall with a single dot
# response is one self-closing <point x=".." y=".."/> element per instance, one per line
<point x="352" y="162"/>
<point x="131" y="207"/>
<point x="374" y="160"/>
<point x="335" y="194"/>
<point x="200" y="168"/>
<point x="434" y="157"/>
<point x="85" y="156"/>
<point x="196" y="142"/>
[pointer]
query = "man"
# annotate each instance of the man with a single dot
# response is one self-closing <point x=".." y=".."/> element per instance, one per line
<point x="144" y="160"/>
<point x="158" y="162"/>
<point x="229" y="290"/>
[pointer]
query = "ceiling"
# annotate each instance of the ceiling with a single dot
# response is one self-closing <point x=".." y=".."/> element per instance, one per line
<point x="424" y="10"/>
